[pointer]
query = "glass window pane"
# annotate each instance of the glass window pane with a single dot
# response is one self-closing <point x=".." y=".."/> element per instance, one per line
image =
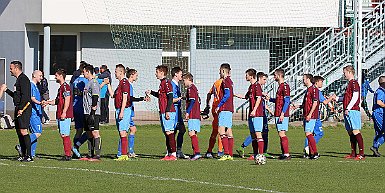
<point x="63" y="53"/>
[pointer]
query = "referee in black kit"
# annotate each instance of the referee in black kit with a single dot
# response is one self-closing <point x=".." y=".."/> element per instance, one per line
<point x="23" y="108"/>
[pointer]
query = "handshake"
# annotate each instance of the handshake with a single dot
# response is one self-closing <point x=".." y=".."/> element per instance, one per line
<point x="332" y="97"/>
<point x="147" y="98"/>
<point x="44" y="103"/>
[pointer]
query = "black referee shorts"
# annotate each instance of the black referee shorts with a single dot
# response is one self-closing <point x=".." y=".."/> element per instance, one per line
<point x="95" y="126"/>
<point x="22" y="122"/>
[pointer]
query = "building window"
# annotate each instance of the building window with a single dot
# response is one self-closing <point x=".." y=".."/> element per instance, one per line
<point x="63" y="53"/>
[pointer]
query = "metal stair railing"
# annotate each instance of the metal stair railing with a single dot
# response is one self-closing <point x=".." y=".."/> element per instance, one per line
<point x="328" y="52"/>
<point x="373" y="44"/>
<point x="376" y="70"/>
<point x="323" y="58"/>
<point x="373" y="31"/>
<point x="365" y="3"/>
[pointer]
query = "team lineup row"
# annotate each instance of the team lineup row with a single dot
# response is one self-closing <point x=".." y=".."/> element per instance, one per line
<point x="81" y="101"/>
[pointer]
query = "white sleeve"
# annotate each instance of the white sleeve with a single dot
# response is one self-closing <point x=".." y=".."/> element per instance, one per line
<point x="355" y="98"/>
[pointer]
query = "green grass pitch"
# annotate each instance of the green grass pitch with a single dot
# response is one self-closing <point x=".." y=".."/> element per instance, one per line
<point x="331" y="173"/>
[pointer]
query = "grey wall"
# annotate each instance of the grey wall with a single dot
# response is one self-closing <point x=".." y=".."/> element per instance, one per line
<point x="34" y="11"/>
<point x="12" y="17"/>
<point x="15" y="13"/>
<point x="12" y="48"/>
<point x="32" y="51"/>
<point x="2" y="80"/>
<point x="14" y="45"/>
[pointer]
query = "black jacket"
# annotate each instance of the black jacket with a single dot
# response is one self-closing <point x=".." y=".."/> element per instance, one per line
<point x="105" y="74"/>
<point x="42" y="86"/>
<point x="22" y="95"/>
<point x="75" y="75"/>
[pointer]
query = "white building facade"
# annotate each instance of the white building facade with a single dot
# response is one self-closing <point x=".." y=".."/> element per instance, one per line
<point x="196" y="35"/>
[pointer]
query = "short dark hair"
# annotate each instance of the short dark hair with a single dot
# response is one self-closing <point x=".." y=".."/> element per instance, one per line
<point x="89" y="68"/>
<point x="104" y="67"/>
<point x="61" y="72"/>
<point x="130" y="71"/>
<point x="96" y="70"/>
<point x="83" y="62"/>
<point x="162" y="68"/>
<point x="226" y="66"/>
<point x="309" y="76"/>
<point x="318" y="78"/>
<point x="82" y="65"/>
<point x="261" y="74"/>
<point x="251" y="72"/>
<point x="175" y="70"/>
<point x="121" y="67"/>
<point x="280" y="72"/>
<point x="17" y="64"/>
<point x="189" y="76"/>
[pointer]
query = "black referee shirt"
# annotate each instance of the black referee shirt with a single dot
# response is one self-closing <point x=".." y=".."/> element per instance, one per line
<point x="22" y="95"/>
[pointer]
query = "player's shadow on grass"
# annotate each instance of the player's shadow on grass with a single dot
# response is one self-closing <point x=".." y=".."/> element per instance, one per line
<point x="38" y="156"/>
<point x="346" y="153"/>
<point x="335" y="154"/>
<point x="46" y="156"/>
<point x="8" y="157"/>
<point x="300" y="155"/>
<point x="292" y="154"/>
<point x="147" y="156"/>
<point x="109" y="156"/>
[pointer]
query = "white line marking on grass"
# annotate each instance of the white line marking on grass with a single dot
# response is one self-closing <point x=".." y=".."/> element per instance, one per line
<point x="156" y="178"/>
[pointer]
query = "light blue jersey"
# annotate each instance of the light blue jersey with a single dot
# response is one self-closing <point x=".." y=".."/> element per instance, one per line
<point x="36" y="108"/>
<point x="103" y="90"/>
<point x="176" y="93"/>
<point x="132" y="104"/>
<point x="378" y="95"/>
<point x="321" y="97"/>
<point x="321" y="100"/>
<point x="378" y="118"/>
<point x="365" y="88"/>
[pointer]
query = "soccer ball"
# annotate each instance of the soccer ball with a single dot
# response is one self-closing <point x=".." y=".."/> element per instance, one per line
<point x="260" y="159"/>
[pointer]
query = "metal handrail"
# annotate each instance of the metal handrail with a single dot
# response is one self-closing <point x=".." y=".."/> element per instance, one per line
<point x="332" y="49"/>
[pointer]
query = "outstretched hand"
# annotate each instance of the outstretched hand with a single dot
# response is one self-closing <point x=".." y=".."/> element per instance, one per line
<point x="2" y="89"/>
<point x="294" y="106"/>
<point x="266" y="96"/>
<point x="334" y="97"/>
<point x="106" y="80"/>
<point x="43" y="103"/>
<point x="147" y="98"/>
